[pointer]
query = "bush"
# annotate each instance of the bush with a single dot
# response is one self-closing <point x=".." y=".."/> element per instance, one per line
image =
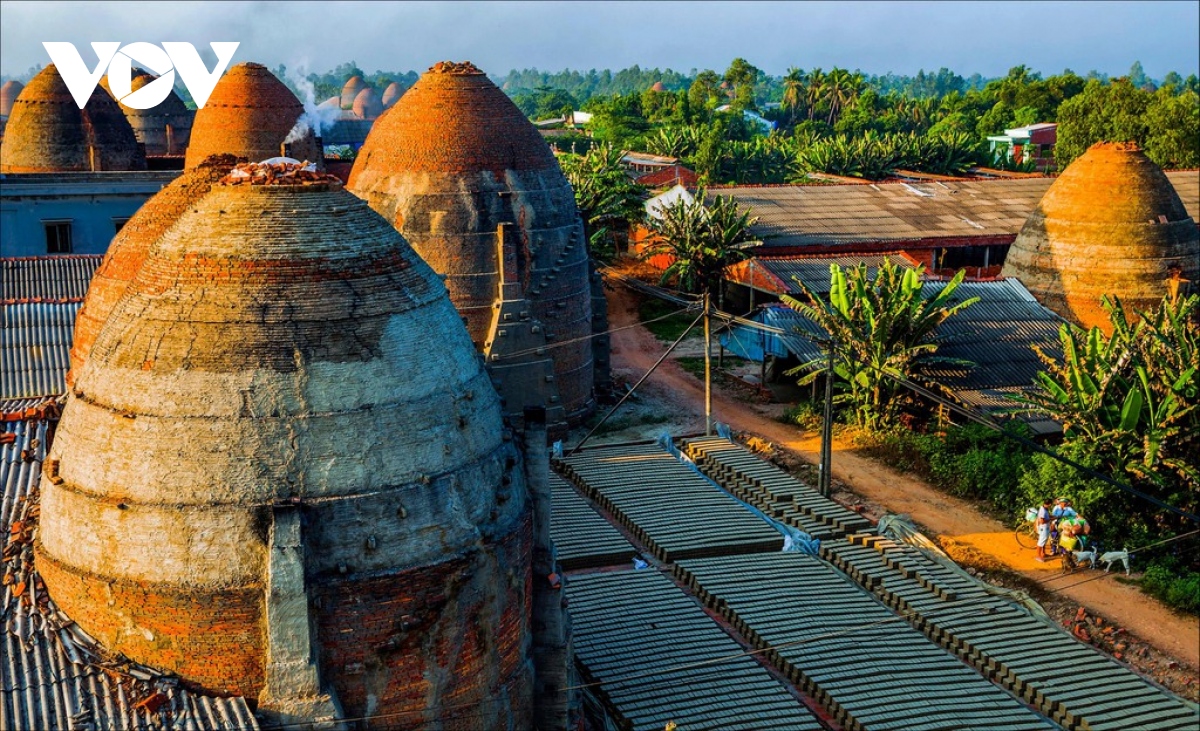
<point x="968" y="461"/>
<point x="805" y="414"/>
<point x="1175" y="586"/>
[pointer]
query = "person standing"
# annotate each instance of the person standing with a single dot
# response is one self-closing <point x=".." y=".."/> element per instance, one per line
<point x="1042" y="524"/>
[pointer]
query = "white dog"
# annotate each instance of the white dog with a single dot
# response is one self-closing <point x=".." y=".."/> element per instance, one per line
<point x="1111" y="557"/>
<point x="1089" y="556"/>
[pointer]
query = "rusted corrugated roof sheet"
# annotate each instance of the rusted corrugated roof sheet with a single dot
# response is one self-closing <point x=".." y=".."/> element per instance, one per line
<point x="47" y="277"/>
<point x="824" y="215"/>
<point x="36" y="346"/>
<point x="815" y="272"/>
<point x="53" y="675"/>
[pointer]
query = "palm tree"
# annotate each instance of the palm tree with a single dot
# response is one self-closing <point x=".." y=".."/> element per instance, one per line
<point x="841" y="89"/>
<point x="815" y="91"/>
<point x="793" y="91"/>
<point x="883" y="329"/>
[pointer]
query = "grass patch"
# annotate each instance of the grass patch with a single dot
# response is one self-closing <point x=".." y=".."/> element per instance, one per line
<point x="695" y="365"/>
<point x="629" y="421"/>
<point x="670" y="328"/>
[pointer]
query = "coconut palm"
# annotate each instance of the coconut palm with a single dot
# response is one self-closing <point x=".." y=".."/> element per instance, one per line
<point x="793" y="91"/>
<point x="882" y="329"/>
<point x="815" y="90"/>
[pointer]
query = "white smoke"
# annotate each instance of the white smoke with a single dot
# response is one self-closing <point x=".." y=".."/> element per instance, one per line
<point x="315" y="118"/>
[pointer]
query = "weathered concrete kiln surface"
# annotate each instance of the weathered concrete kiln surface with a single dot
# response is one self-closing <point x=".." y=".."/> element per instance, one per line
<point x="457" y="168"/>
<point x="48" y="132"/>
<point x="266" y="387"/>
<point x="1110" y="224"/>
<point x="130" y="246"/>
<point x="250" y="114"/>
<point x="163" y="129"/>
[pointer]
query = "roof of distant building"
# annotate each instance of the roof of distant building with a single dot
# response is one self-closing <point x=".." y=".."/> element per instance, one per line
<point x="929" y="213"/>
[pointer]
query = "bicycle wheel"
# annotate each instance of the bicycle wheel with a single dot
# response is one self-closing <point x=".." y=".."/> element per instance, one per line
<point x="1026" y="536"/>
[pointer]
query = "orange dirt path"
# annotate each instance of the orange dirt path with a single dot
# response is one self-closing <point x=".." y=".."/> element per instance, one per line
<point x="635" y="350"/>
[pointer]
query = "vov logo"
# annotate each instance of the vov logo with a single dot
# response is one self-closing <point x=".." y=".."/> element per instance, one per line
<point x="119" y="61"/>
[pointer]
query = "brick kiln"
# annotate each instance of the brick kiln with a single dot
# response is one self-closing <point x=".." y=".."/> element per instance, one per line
<point x="163" y="129"/>
<point x="472" y="185"/>
<point x="351" y="89"/>
<point x="129" y="247"/>
<point x="267" y="482"/>
<point x="392" y="94"/>
<point x="48" y="132"/>
<point x="8" y="96"/>
<point x="250" y="114"/>
<point x="1110" y="224"/>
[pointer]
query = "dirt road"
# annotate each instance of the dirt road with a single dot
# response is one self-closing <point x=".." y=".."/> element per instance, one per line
<point x="634" y="351"/>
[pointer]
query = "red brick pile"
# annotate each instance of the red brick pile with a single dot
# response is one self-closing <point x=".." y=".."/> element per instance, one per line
<point x="277" y="173"/>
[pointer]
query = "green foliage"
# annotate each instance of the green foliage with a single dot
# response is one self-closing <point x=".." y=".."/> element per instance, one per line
<point x="657" y="316"/>
<point x="1173" y="584"/>
<point x="874" y="156"/>
<point x="883" y="329"/>
<point x="1173" y="129"/>
<point x="969" y="461"/>
<point x="584" y="85"/>
<point x="1101" y="113"/>
<point x="545" y="102"/>
<point x="701" y="239"/>
<point x="608" y="200"/>
<point x="805" y="414"/>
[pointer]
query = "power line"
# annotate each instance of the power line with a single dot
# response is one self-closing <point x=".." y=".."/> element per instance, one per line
<point x="983" y="420"/>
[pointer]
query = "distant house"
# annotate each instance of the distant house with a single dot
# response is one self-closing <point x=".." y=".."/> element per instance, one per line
<point x="644" y="162"/>
<point x="1035" y="142"/>
<point x="670" y="176"/>
<point x="764" y="124"/>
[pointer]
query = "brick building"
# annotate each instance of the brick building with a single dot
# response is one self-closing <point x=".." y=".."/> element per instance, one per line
<point x="468" y="180"/>
<point x="266" y="482"/>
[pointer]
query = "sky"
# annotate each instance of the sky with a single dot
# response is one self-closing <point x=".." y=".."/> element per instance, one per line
<point x="875" y="37"/>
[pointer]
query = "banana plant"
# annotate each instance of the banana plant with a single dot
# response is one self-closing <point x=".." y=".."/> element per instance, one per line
<point x="883" y="329"/>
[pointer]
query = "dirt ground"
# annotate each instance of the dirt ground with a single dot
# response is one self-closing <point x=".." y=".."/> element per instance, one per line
<point x="1103" y="609"/>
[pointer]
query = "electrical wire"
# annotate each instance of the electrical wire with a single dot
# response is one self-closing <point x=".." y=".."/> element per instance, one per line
<point x="551" y="346"/>
<point x="985" y="420"/>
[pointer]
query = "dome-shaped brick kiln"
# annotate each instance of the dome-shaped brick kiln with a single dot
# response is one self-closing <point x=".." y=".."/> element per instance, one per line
<point x="251" y="114"/>
<point x="266" y="481"/>
<point x="48" y="132"/>
<point x="1112" y="224"/>
<point x="472" y="185"/>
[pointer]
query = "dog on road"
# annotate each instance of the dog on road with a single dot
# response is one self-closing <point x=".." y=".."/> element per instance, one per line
<point x="1111" y="557"/>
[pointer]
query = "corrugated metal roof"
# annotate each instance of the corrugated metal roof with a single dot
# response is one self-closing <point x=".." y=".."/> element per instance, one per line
<point x="53" y="676"/>
<point x="35" y="347"/>
<point x="629" y="624"/>
<point x="814" y="272"/>
<point x="807" y="215"/>
<point x="997" y="334"/>
<point x="47" y="277"/>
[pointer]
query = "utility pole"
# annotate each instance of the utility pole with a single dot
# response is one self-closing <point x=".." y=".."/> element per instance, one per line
<point x="707" y="367"/>
<point x="825" y="486"/>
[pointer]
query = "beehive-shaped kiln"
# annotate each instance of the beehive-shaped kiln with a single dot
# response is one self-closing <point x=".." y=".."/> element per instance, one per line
<point x="261" y="444"/>
<point x="8" y="96"/>
<point x="1112" y="224"/>
<point x="251" y="114"/>
<point x="470" y="182"/>
<point x="351" y="89"/>
<point x="129" y="248"/>
<point x="367" y="104"/>
<point x="48" y="132"/>
<point x="164" y="129"/>
<point x="392" y="94"/>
